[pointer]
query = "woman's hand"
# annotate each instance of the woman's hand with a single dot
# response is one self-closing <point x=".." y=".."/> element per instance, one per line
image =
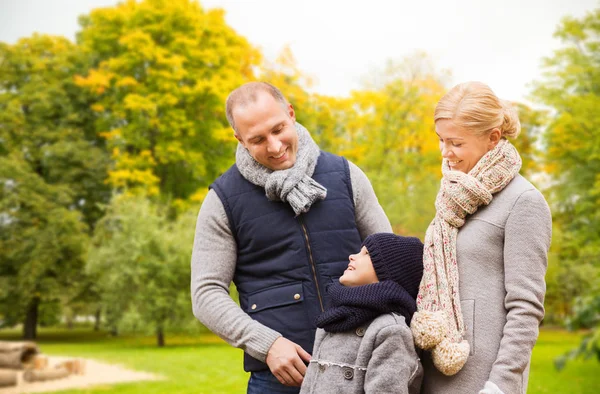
<point x="491" y="388"/>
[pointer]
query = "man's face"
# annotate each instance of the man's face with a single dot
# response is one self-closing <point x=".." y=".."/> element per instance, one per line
<point x="267" y="129"/>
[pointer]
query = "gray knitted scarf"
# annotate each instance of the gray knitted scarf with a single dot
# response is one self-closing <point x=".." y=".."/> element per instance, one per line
<point x="294" y="185"/>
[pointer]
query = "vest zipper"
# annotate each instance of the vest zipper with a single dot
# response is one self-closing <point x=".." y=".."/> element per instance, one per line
<point x="312" y="262"/>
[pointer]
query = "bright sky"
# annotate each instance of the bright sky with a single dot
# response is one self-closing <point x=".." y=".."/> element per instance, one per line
<point x="340" y="42"/>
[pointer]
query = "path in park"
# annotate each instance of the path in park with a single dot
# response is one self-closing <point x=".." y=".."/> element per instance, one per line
<point x="96" y="373"/>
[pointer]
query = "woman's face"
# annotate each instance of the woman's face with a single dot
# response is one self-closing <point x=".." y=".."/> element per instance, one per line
<point x="461" y="148"/>
<point x="360" y="270"/>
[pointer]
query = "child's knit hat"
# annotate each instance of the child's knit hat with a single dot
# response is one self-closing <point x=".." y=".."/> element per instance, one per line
<point x="397" y="258"/>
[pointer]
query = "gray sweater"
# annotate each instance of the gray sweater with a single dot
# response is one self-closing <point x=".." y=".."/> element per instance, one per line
<point x="214" y="259"/>
<point x="379" y="358"/>
<point x="502" y="259"/>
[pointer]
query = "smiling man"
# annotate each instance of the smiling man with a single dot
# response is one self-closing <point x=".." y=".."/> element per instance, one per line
<point x="280" y="224"/>
<point x="266" y="128"/>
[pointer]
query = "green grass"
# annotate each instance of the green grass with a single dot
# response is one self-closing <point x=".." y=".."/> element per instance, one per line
<point x="578" y="376"/>
<point x="205" y="364"/>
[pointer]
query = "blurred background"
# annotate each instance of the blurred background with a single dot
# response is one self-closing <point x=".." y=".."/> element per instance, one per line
<point x="112" y="126"/>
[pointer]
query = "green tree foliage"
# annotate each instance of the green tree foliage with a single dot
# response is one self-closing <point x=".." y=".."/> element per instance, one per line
<point x="42" y="243"/>
<point x="141" y="259"/>
<point x="161" y="72"/>
<point x="571" y="87"/>
<point x="529" y="140"/>
<point x="45" y="132"/>
<point x="45" y="117"/>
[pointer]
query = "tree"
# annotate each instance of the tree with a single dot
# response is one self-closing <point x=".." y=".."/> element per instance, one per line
<point x="46" y="139"/>
<point x="46" y="117"/>
<point x="392" y="138"/>
<point x="42" y="243"/>
<point x="141" y="259"/>
<point x="529" y="140"/>
<point x="161" y="73"/>
<point x="571" y="87"/>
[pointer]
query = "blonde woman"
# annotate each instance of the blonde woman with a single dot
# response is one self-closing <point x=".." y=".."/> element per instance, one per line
<point x="480" y="301"/>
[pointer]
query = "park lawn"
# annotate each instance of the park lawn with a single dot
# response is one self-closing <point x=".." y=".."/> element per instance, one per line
<point x="578" y="376"/>
<point x="205" y="364"/>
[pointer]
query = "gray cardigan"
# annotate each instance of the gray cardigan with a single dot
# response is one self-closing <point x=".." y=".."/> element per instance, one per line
<point x="214" y="259"/>
<point x="378" y="358"/>
<point x="502" y="259"/>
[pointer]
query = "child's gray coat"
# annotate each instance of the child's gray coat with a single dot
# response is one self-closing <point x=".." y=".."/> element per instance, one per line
<point x="377" y="358"/>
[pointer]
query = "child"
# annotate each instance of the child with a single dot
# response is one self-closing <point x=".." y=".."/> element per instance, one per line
<point x="364" y="343"/>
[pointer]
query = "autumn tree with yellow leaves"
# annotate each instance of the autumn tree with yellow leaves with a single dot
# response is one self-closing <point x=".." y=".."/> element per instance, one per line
<point x="160" y="75"/>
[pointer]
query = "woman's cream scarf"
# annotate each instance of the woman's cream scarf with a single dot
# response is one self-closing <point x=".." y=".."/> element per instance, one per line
<point x="438" y="323"/>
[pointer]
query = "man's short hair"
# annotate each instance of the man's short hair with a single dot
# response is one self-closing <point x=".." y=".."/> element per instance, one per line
<point x="247" y="94"/>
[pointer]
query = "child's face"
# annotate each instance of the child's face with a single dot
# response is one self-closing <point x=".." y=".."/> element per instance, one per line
<point x="360" y="271"/>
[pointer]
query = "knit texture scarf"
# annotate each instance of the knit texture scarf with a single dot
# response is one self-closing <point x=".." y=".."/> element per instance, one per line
<point x="294" y="185"/>
<point x="438" y="324"/>
<point x="351" y="307"/>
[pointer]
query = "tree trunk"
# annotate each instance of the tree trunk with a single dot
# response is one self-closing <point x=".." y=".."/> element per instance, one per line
<point x="30" y="326"/>
<point x="160" y="337"/>
<point x="97" y="320"/>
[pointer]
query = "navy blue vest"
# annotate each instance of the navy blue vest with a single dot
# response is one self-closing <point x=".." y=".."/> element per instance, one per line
<point x="284" y="263"/>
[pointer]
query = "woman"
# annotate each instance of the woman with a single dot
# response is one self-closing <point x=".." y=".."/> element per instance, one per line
<point x="481" y="298"/>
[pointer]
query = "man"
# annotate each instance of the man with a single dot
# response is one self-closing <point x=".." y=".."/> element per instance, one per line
<point x="280" y="224"/>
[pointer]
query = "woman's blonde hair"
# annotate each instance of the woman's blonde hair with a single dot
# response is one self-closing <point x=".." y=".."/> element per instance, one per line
<point x="475" y="107"/>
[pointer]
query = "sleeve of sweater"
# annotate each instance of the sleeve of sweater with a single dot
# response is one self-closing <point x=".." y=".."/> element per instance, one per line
<point x="213" y="263"/>
<point x="527" y="239"/>
<point x="370" y="217"/>
<point x="394" y="366"/>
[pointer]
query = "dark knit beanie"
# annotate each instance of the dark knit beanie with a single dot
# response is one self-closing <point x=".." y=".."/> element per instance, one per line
<point x="397" y="258"/>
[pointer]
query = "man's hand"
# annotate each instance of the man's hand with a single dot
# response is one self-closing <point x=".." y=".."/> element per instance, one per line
<point x="285" y="359"/>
